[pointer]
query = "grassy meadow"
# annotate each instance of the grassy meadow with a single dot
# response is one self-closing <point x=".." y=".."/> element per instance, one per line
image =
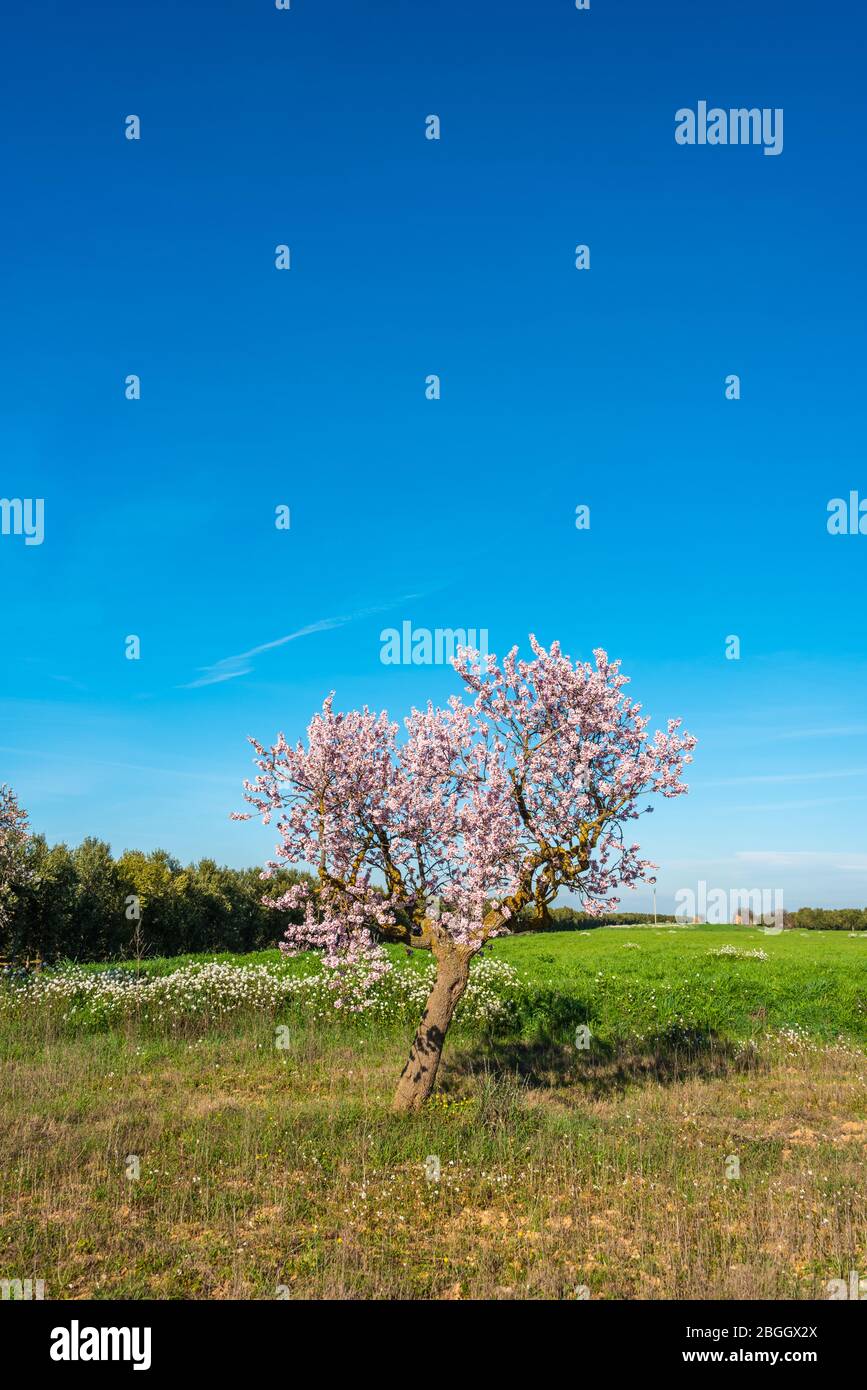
<point x="708" y="1141"/>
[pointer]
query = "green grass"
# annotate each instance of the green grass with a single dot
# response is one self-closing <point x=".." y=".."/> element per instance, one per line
<point x="631" y="983"/>
<point x="267" y="1172"/>
<point x="814" y="982"/>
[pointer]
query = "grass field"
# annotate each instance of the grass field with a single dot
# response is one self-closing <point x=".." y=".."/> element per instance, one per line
<point x="607" y="1171"/>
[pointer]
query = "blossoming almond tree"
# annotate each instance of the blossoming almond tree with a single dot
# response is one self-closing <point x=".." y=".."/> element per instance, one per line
<point x="481" y="811"/>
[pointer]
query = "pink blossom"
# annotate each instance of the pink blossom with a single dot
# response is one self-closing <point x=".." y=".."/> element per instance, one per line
<point x="475" y="812"/>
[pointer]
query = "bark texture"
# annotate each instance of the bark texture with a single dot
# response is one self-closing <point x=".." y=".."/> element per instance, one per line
<point x="420" y="1073"/>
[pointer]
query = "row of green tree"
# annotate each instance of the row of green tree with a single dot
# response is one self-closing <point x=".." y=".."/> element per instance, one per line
<point x="83" y="904"/>
<point x="572" y="919"/>
<point x="804" y="919"/>
<point x="828" y="919"/>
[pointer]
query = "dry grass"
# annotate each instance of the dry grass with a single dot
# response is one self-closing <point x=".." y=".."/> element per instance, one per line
<point x="262" y="1168"/>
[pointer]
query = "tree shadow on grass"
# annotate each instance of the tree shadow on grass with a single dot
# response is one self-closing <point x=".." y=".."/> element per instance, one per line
<point x="602" y="1070"/>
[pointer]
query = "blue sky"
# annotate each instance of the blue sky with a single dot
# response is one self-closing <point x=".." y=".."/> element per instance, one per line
<point x="559" y="387"/>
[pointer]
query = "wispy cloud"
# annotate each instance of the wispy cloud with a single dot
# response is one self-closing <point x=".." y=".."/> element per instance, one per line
<point x="791" y="805"/>
<point x="68" y="680"/>
<point x="86" y="761"/>
<point x="786" y="777"/>
<point x="835" y="731"/>
<point x="229" y="667"/>
<point x="791" y="859"/>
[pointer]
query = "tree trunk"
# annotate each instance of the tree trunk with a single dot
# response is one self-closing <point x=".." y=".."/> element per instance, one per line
<point x="418" y="1076"/>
